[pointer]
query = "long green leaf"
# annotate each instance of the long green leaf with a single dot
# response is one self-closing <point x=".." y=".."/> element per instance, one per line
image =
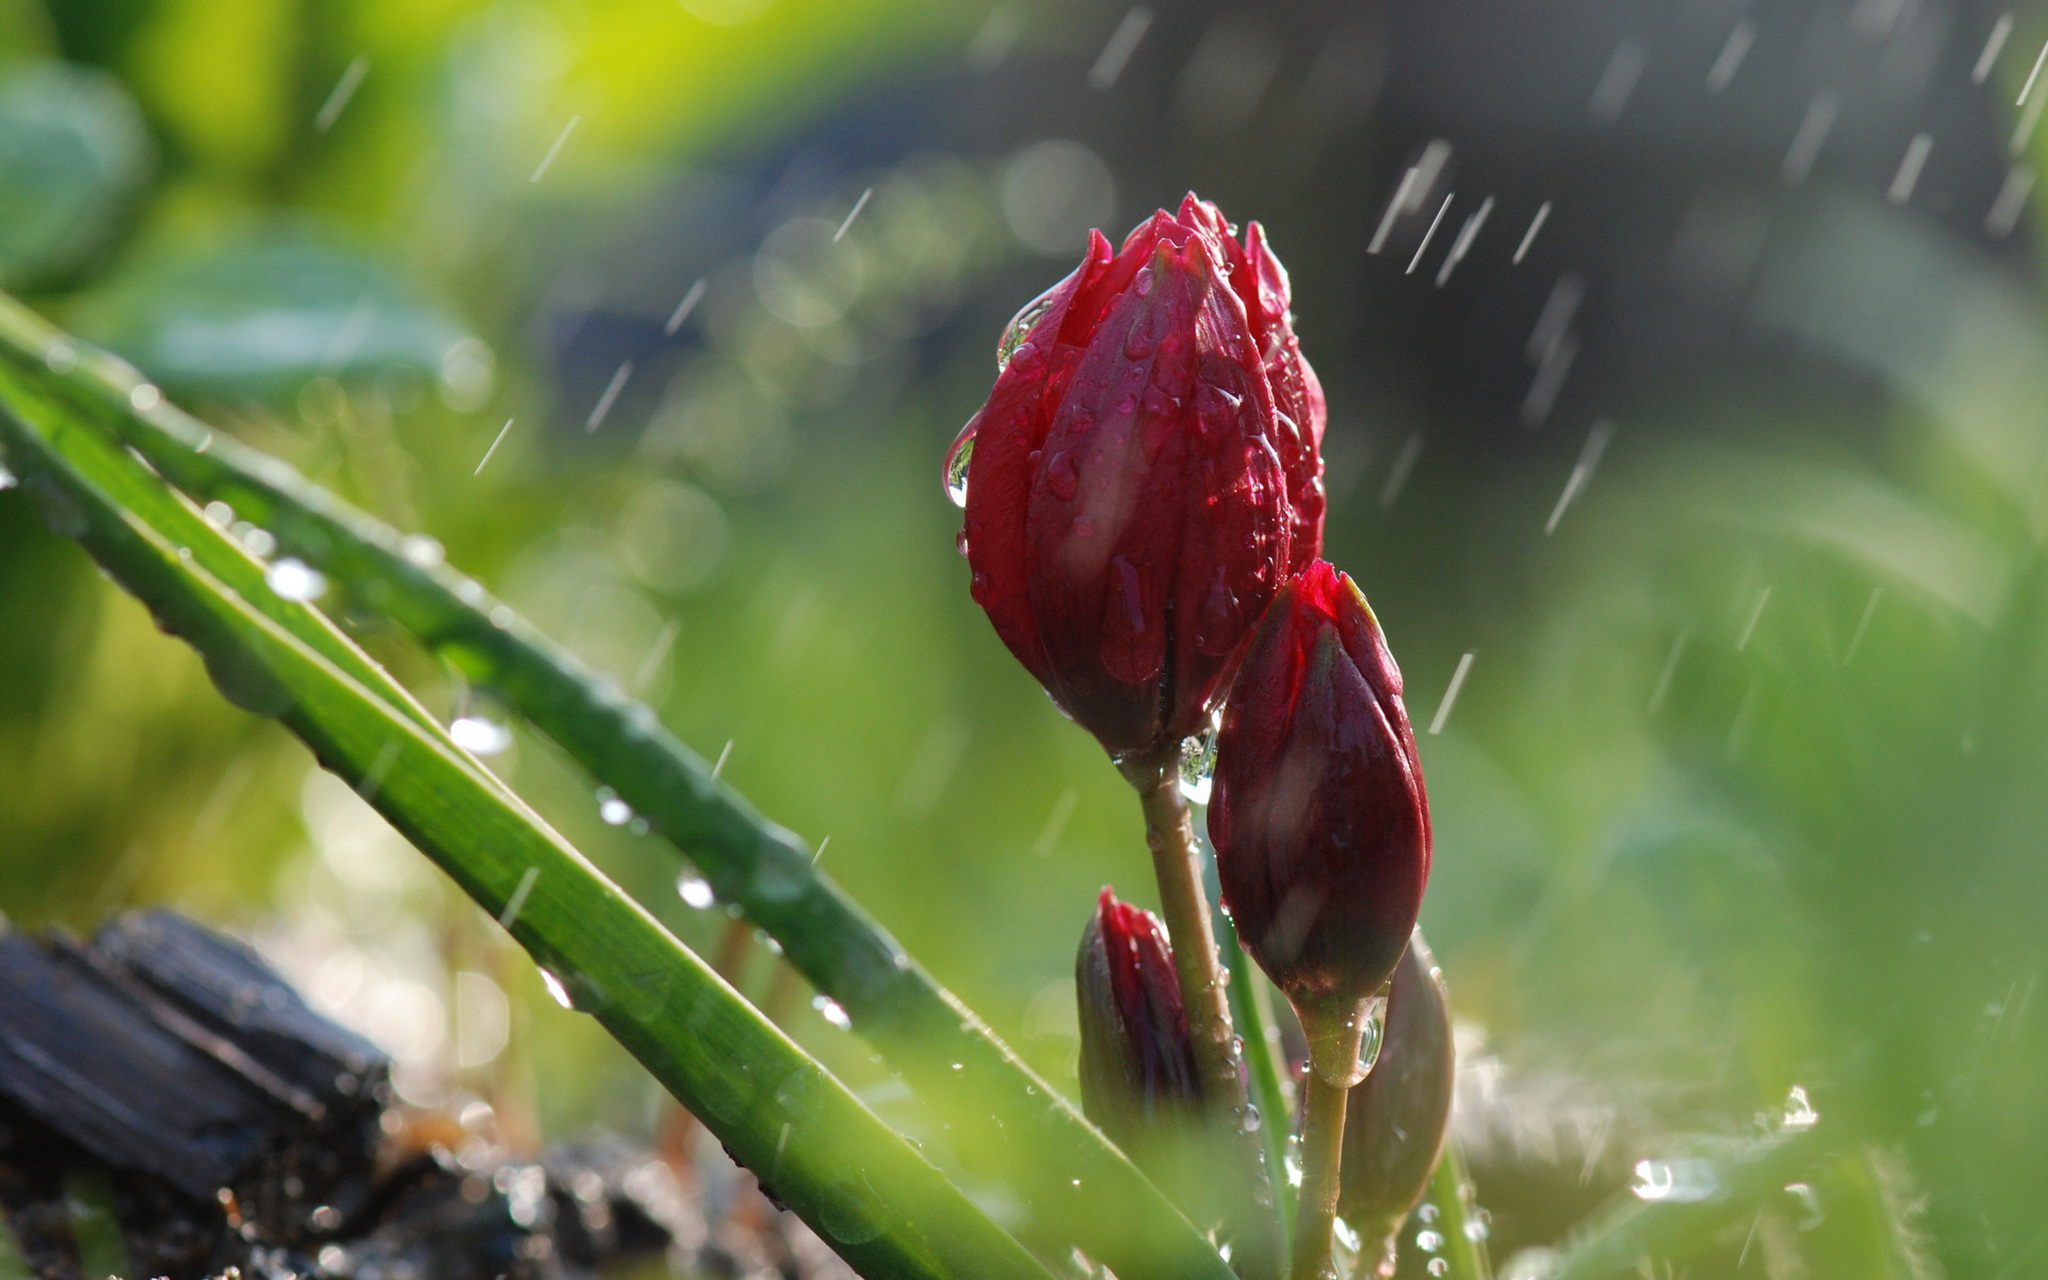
<point x="1006" y="1120"/>
<point x="878" y="1202"/>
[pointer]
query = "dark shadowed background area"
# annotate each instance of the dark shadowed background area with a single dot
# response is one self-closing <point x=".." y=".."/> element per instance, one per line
<point x="1688" y="376"/>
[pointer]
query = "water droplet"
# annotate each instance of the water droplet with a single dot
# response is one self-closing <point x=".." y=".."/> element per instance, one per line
<point x="829" y="1009"/>
<point x="1252" y="1119"/>
<point x="614" y="811"/>
<point x="1799" y="1113"/>
<point x="1426" y="1214"/>
<point x="696" y="891"/>
<point x="1476" y="1229"/>
<point x="7" y="480"/>
<point x="1063" y="477"/>
<point x="847" y="1216"/>
<point x="1439" y="1266"/>
<point x="1019" y="329"/>
<point x="479" y="735"/>
<point x="219" y="514"/>
<point x="1429" y="1241"/>
<point x="1678" y="1181"/>
<point x="421" y="550"/>
<point x="1346" y="1235"/>
<point x="260" y="542"/>
<point x="957" y="459"/>
<point x="295" y="580"/>
<point x="1198" y="764"/>
<point x="1375" y="1032"/>
<point x="556" y="989"/>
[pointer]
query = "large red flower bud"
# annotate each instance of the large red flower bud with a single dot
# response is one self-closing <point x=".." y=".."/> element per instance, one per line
<point x="1145" y="473"/>
<point x="1394" y="1128"/>
<point x="1318" y="813"/>
<point x="1137" y="1063"/>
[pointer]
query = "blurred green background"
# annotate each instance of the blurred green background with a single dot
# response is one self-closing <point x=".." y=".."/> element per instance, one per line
<point x="1747" y="784"/>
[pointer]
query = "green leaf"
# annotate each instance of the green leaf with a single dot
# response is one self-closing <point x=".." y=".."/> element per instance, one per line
<point x="73" y="154"/>
<point x="1007" y="1122"/>
<point x="875" y="1199"/>
<point x="273" y="309"/>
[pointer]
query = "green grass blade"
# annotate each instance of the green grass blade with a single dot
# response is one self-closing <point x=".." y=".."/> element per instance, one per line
<point x="887" y="1210"/>
<point x="1464" y="1249"/>
<point x="1008" y="1123"/>
<point x="1252" y="1009"/>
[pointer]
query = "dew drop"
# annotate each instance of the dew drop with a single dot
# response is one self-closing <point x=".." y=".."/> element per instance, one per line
<point x="7" y="480"/>
<point x="1799" y="1112"/>
<point x="556" y="989"/>
<point x="296" y="580"/>
<point x="695" y="891"/>
<point x="1021" y="325"/>
<point x="1252" y="1119"/>
<point x="1063" y="477"/>
<point x="219" y="514"/>
<point x="479" y="735"/>
<point x="260" y="542"/>
<point x="421" y="550"/>
<point x="1198" y="764"/>
<point x="1429" y="1241"/>
<point x="1426" y="1214"/>
<point x="830" y="1010"/>
<point x="614" y="811"/>
<point x="1476" y="1229"/>
<point x="957" y="459"/>
<point x="1375" y="1032"/>
<point x="1439" y="1266"/>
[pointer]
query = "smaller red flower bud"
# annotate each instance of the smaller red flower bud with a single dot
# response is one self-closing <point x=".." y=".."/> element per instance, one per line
<point x="1395" y="1122"/>
<point x="1137" y="1062"/>
<point x="1318" y="813"/>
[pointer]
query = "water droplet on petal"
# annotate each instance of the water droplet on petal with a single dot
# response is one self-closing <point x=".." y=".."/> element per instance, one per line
<point x="957" y="459"/>
<point x="479" y="735"/>
<point x="696" y="891"/>
<point x="295" y="580"/>
<point x="1063" y="477"/>
<point x="1019" y="329"/>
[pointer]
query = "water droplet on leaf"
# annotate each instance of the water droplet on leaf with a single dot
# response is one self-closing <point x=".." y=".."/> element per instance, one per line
<point x="479" y="735"/>
<point x="829" y="1009"/>
<point x="696" y="891"/>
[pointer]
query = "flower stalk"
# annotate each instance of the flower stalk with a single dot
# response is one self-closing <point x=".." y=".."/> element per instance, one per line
<point x="1253" y="1227"/>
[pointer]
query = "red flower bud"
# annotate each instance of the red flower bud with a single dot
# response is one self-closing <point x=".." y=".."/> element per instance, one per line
<point x="1137" y="1063"/>
<point x="1318" y="813"/>
<point x="1395" y="1122"/>
<point x="1145" y="473"/>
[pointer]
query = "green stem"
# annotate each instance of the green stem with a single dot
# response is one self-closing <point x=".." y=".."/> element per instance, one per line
<point x="1076" y="1185"/>
<point x="1322" y="1161"/>
<point x="1464" y="1248"/>
<point x="1253" y="1008"/>
<point x="1252" y="1223"/>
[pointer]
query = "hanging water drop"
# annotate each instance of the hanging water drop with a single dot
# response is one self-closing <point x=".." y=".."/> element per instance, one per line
<point x="1019" y="329"/>
<point x="1252" y="1119"/>
<point x="1439" y="1267"/>
<point x="296" y="580"/>
<point x="614" y="811"/>
<point x="957" y="459"/>
<point x="1375" y="1031"/>
<point x="7" y="479"/>
<point x="1429" y="1241"/>
<point x="1198" y="763"/>
<point x="479" y="735"/>
<point x="1426" y="1214"/>
<point x="830" y="1010"/>
<point x="696" y="891"/>
<point x="556" y="989"/>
